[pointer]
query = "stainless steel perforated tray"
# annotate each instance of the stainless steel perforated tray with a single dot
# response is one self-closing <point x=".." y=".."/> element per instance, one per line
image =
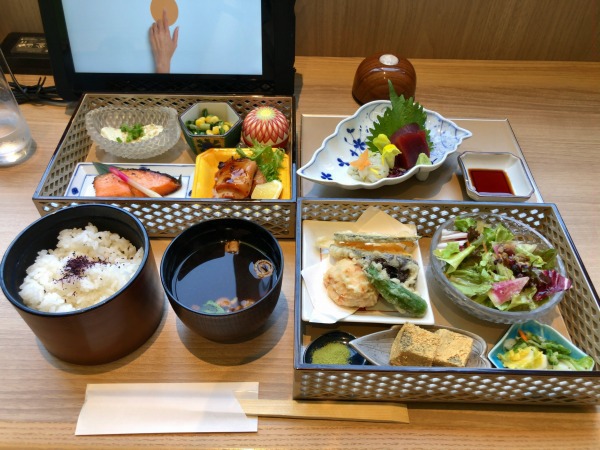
<point x="579" y="314"/>
<point x="165" y="217"/>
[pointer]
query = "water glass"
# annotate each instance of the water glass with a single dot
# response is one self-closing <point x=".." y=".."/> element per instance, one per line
<point x="15" y="138"/>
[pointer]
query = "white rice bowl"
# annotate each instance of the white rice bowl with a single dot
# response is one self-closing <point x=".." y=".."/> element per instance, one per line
<point x="86" y="267"/>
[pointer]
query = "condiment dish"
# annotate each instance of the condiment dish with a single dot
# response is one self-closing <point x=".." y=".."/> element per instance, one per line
<point x="108" y="330"/>
<point x="495" y="177"/>
<point x="335" y="338"/>
<point x="223" y="277"/>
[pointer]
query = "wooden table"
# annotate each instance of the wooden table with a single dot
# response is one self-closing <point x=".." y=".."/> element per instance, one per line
<point x="554" y="109"/>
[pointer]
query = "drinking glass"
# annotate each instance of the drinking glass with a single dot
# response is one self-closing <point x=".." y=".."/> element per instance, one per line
<point x="15" y="138"/>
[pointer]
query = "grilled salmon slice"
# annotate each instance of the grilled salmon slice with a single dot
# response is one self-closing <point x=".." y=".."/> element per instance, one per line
<point x="110" y="185"/>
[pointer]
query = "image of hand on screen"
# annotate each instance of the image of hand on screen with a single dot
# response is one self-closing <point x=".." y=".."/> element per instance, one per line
<point x="163" y="43"/>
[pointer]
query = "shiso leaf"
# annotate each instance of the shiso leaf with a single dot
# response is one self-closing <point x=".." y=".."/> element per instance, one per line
<point x="401" y="112"/>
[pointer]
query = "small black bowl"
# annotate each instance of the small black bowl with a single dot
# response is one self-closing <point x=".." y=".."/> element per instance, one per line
<point x="356" y="359"/>
<point x="107" y="330"/>
<point x="204" y="244"/>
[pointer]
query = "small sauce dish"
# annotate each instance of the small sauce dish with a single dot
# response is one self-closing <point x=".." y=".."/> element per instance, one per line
<point x="495" y="177"/>
<point x="325" y="350"/>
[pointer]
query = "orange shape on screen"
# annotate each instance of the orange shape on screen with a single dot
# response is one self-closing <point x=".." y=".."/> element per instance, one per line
<point x="157" y="7"/>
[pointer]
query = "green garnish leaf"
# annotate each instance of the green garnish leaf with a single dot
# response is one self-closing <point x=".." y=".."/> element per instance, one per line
<point x="101" y="168"/>
<point x="269" y="159"/>
<point x="212" y="307"/>
<point x="402" y="112"/>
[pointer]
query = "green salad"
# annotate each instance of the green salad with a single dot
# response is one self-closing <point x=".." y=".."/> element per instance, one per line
<point x="491" y="266"/>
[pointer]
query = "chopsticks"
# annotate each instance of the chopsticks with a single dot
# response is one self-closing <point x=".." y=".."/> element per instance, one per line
<point x="330" y="410"/>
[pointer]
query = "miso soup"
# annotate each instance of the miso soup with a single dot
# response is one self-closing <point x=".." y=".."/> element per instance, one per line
<point x="224" y="277"/>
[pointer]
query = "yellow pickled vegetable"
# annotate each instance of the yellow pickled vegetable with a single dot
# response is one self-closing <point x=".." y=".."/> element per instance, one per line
<point x="524" y="358"/>
<point x="389" y="153"/>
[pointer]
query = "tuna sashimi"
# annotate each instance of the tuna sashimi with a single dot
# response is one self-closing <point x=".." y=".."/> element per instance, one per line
<point x="110" y="185"/>
<point x="411" y="144"/>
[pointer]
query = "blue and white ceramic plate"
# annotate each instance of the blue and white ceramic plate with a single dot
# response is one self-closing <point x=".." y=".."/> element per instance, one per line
<point x="329" y="164"/>
<point x="82" y="182"/>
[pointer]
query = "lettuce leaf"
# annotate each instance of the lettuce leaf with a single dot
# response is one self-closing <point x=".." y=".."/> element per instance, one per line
<point x="464" y="224"/>
<point x="268" y="159"/>
<point x="453" y="255"/>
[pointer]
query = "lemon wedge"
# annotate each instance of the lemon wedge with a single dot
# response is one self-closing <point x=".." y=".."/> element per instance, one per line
<point x="271" y="190"/>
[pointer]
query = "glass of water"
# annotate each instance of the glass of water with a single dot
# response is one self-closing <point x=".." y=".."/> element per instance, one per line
<point x="15" y="138"/>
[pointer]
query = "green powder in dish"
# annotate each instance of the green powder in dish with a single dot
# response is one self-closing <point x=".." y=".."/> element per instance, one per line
<point x="331" y="353"/>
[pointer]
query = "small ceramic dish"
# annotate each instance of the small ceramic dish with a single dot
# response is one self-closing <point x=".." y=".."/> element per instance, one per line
<point x="539" y="329"/>
<point x="82" y="181"/>
<point x="200" y="143"/>
<point x="376" y="347"/>
<point x="329" y="164"/>
<point x="116" y="116"/>
<point x="333" y="337"/>
<point x="495" y="177"/>
<point x="207" y="165"/>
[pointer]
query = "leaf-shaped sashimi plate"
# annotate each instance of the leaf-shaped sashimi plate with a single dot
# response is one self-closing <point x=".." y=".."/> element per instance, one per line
<point x="376" y="347"/>
<point x="329" y="164"/>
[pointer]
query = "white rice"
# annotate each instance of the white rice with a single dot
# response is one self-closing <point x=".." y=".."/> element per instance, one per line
<point x="109" y="262"/>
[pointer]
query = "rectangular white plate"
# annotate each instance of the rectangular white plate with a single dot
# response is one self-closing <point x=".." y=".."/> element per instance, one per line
<point x="382" y="312"/>
<point x="81" y="184"/>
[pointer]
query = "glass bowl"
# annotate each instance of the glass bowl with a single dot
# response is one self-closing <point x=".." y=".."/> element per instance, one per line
<point x="522" y="233"/>
<point x="116" y="116"/>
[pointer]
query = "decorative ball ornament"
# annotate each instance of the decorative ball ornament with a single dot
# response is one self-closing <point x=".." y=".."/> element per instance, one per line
<point x="266" y="125"/>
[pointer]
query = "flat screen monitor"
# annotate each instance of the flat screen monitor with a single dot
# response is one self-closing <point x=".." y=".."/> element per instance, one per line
<point x="227" y="46"/>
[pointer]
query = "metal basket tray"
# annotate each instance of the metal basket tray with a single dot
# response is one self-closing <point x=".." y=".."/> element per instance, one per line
<point x="579" y="309"/>
<point x="169" y="217"/>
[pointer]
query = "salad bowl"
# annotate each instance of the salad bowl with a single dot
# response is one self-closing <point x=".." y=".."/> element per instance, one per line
<point x="525" y="308"/>
<point x="330" y="162"/>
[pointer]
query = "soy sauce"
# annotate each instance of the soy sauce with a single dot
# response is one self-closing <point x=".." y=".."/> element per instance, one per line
<point x="211" y="273"/>
<point x="491" y="181"/>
